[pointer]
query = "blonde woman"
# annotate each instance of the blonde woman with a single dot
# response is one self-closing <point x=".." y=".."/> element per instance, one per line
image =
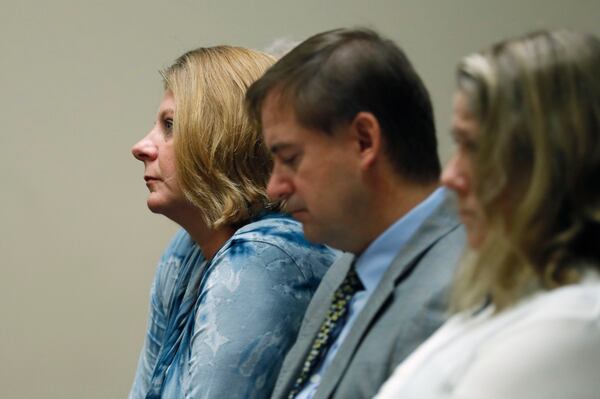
<point x="527" y="128"/>
<point x="231" y="288"/>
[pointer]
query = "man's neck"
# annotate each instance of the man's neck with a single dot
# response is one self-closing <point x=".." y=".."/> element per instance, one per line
<point x="389" y="206"/>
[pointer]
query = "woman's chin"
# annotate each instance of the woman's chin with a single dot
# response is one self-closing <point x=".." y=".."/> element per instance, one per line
<point x="475" y="238"/>
<point x="156" y="205"/>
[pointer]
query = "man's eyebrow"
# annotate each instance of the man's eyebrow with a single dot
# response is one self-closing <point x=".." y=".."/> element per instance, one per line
<point x="275" y="148"/>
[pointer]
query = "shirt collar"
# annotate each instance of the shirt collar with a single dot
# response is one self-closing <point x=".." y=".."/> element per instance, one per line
<point x="378" y="256"/>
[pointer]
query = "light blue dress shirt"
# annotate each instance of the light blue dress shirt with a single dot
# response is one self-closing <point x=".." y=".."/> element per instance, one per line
<point x="370" y="267"/>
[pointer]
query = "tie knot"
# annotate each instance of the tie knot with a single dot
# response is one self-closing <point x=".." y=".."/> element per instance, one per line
<point x="352" y="283"/>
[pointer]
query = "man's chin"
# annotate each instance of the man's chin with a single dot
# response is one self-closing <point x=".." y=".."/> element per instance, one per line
<point x="300" y="215"/>
<point x="313" y="234"/>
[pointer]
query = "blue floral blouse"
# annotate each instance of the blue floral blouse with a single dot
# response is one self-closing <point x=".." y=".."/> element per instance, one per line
<point x="221" y="329"/>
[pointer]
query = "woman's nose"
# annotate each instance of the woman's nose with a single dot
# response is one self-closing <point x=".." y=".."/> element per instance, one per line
<point x="454" y="176"/>
<point x="144" y="150"/>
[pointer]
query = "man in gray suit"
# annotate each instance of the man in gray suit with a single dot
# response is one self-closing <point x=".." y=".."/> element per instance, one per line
<point x="350" y="126"/>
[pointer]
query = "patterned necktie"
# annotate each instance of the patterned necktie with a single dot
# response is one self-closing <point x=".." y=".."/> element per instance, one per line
<point x="330" y="329"/>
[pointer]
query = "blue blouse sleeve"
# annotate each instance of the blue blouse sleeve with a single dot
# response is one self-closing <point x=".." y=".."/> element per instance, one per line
<point x="251" y="302"/>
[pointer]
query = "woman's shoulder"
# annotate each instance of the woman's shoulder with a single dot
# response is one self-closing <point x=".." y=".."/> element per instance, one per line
<point x="271" y="227"/>
<point x="276" y="238"/>
<point x="281" y="231"/>
<point x="553" y="338"/>
<point x="551" y="315"/>
<point x="575" y="301"/>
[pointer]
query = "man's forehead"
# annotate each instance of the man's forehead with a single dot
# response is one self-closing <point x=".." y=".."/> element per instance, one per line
<point x="280" y="131"/>
<point x="285" y="134"/>
<point x="277" y="108"/>
<point x="281" y="128"/>
<point x="278" y="119"/>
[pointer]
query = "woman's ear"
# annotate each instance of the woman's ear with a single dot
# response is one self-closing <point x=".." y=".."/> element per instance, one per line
<point x="368" y="133"/>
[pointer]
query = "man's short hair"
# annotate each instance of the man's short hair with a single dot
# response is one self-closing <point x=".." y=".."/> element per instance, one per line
<point x="334" y="75"/>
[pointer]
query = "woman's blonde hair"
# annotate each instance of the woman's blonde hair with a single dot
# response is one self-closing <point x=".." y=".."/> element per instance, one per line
<point x="222" y="164"/>
<point x="537" y="165"/>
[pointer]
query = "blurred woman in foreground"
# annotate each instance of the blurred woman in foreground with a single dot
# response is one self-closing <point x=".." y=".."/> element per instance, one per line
<point x="231" y="289"/>
<point x="527" y="127"/>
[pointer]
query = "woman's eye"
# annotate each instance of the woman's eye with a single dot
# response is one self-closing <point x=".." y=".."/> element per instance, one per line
<point x="470" y="146"/>
<point x="467" y="145"/>
<point x="168" y="125"/>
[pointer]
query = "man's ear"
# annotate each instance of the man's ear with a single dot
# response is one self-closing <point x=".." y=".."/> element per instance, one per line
<point x="368" y="133"/>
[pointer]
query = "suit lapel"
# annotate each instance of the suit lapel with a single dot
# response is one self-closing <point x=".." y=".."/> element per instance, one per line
<point x="317" y="310"/>
<point x="434" y="228"/>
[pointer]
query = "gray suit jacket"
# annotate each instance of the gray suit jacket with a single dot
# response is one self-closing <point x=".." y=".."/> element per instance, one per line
<point x="408" y="305"/>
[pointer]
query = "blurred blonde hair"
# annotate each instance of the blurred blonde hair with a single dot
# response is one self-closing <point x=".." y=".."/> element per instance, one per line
<point x="222" y="164"/>
<point x="536" y="168"/>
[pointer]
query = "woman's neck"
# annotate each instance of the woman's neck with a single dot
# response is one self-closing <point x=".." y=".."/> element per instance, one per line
<point x="209" y="239"/>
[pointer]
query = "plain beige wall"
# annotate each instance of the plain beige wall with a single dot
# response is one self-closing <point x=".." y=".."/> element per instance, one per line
<point x="79" y="85"/>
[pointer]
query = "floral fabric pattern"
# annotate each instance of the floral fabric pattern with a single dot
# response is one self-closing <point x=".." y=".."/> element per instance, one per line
<point x="221" y="329"/>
